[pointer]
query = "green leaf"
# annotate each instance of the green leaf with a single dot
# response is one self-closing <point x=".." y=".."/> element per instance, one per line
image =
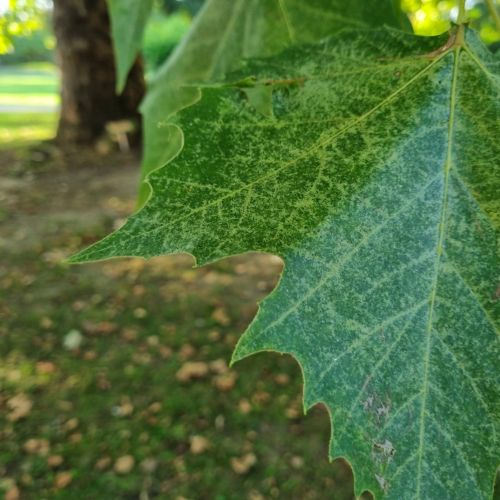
<point x="128" y="21"/>
<point x="376" y="179"/>
<point x="227" y="31"/>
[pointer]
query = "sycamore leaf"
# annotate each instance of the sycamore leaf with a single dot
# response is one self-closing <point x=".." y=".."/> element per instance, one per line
<point x="227" y="31"/>
<point x="128" y="21"/>
<point x="376" y="178"/>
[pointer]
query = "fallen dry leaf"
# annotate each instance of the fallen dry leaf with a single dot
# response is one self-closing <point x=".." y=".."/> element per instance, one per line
<point x="13" y="493"/>
<point x="241" y="465"/>
<point x="45" y="367"/>
<point x="297" y="462"/>
<point x="192" y="370"/>
<point x="20" y="407"/>
<point x="220" y="316"/>
<point x="124" y="464"/>
<point x="129" y="334"/>
<point x="199" y="444"/>
<point x="76" y="437"/>
<point x="244" y="406"/>
<point x="149" y="465"/>
<point x="140" y="312"/>
<point x="153" y="341"/>
<point x="89" y="355"/>
<point x="214" y="335"/>
<point x="63" y="479"/>
<point x="71" y="424"/>
<point x="255" y="495"/>
<point x="154" y="407"/>
<point x="35" y="446"/>
<point x="282" y="379"/>
<point x="225" y="382"/>
<point x="103" y="463"/>
<point x="54" y="461"/>
<point x="186" y="351"/>
<point x="165" y="352"/>
<point x="219" y="366"/>
<point x="124" y="409"/>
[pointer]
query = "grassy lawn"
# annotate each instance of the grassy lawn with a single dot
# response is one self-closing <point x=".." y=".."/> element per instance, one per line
<point x="28" y="102"/>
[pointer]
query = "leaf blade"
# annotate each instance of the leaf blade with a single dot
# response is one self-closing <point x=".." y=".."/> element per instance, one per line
<point x="243" y="29"/>
<point x="128" y="22"/>
<point x="381" y="202"/>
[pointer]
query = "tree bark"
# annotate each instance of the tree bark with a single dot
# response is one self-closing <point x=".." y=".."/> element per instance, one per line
<point x="85" y="53"/>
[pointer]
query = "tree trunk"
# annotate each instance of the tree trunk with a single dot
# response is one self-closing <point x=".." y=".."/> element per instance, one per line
<point x="85" y="52"/>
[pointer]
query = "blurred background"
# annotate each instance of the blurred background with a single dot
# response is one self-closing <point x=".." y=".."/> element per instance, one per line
<point x="114" y="380"/>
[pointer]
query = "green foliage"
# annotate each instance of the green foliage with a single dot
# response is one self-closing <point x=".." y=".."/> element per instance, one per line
<point x="369" y="163"/>
<point x="24" y="35"/>
<point x="433" y="17"/>
<point x="225" y="32"/>
<point x="128" y="21"/>
<point x="161" y="36"/>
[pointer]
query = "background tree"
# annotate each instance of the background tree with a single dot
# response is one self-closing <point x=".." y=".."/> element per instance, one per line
<point x="88" y="87"/>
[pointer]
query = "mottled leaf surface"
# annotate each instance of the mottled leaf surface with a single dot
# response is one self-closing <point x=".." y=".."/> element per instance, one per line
<point x="227" y="31"/>
<point x="376" y="178"/>
<point x="128" y="21"/>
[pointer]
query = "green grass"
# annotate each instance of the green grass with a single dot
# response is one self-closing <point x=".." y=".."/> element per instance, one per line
<point x="140" y="324"/>
<point x="21" y="129"/>
<point x="26" y="92"/>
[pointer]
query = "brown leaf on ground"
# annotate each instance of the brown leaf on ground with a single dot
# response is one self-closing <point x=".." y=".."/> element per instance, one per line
<point x="45" y="367"/>
<point x="76" y="437"/>
<point x="71" y="424"/>
<point x="282" y="379"/>
<point x="186" y="351"/>
<point x="124" y="464"/>
<point x="219" y="366"/>
<point x="103" y="463"/>
<point x="214" y="335"/>
<point x="192" y="370"/>
<point x="255" y="495"/>
<point x="149" y="465"/>
<point x="101" y="328"/>
<point x="241" y="465"/>
<point x="20" y="407"/>
<point x="89" y="355"/>
<point x="292" y="413"/>
<point x="63" y="479"/>
<point x="165" y="352"/>
<point x="261" y="397"/>
<point x="13" y="493"/>
<point x="155" y="407"/>
<point x="297" y="462"/>
<point x="225" y="382"/>
<point x="220" y="316"/>
<point x="129" y="334"/>
<point x="124" y="409"/>
<point x="54" y="461"/>
<point x="244" y="406"/>
<point x="199" y="444"/>
<point x="35" y="446"/>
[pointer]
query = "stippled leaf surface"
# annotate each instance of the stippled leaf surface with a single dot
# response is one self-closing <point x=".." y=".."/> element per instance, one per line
<point x="376" y="178"/>
<point x="227" y="31"/>
<point x="128" y="21"/>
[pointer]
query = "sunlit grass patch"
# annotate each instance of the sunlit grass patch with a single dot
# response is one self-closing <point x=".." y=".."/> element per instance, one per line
<point x="28" y="104"/>
<point x="18" y="129"/>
